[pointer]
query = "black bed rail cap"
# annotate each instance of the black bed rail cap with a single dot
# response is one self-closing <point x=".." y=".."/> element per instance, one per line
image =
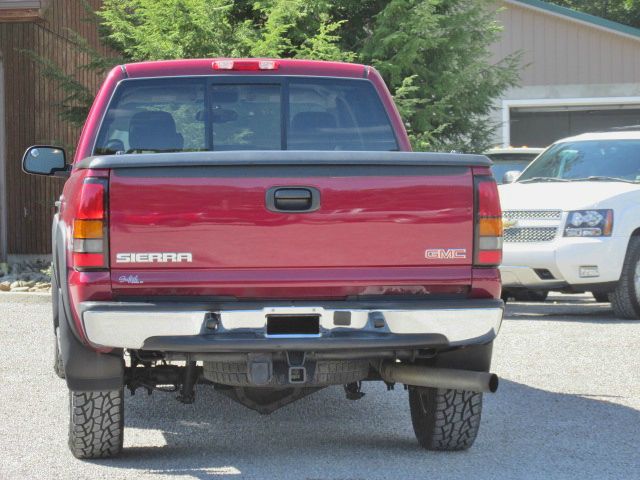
<point x="281" y="157"/>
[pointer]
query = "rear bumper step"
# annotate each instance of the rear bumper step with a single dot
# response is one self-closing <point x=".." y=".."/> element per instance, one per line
<point x="245" y="327"/>
<point x="335" y="342"/>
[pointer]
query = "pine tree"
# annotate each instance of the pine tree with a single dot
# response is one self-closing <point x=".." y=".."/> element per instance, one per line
<point x="434" y="54"/>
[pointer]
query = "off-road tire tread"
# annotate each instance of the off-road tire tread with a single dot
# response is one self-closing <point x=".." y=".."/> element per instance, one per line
<point x="623" y="299"/>
<point x="96" y="424"/>
<point x="443" y="419"/>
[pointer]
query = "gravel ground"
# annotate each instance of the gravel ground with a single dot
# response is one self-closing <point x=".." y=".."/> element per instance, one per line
<point x="568" y="407"/>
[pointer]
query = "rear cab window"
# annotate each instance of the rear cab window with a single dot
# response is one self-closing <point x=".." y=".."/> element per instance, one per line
<point x="244" y="113"/>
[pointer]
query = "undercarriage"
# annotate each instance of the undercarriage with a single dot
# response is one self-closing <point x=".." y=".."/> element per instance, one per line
<point x="265" y="382"/>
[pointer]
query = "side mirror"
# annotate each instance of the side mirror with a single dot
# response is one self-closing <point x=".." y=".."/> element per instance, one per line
<point x="44" y="160"/>
<point x="511" y="176"/>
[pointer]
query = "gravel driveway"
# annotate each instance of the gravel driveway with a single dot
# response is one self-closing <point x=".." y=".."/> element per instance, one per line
<point x="568" y="407"/>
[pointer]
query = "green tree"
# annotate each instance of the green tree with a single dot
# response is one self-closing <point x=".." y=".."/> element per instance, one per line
<point x="78" y="98"/>
<point x="626" y="12"/>
<point x="165" y="29"/>
<point x="434" y="54"/>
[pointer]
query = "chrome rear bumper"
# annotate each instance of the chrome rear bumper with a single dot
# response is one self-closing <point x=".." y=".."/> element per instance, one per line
<point x="189" y="328"/>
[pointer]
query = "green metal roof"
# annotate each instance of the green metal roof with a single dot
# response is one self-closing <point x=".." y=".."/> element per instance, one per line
<point x="582" y="17"/>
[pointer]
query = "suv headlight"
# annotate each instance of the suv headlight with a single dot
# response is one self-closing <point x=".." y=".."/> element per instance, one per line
<point x="589" y="223"/>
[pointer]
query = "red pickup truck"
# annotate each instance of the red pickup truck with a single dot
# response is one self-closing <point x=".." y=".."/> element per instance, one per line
<point x="261" y="227"/>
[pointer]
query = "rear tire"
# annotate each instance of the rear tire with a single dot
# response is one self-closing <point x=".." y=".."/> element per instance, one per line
<point x="444" y="419"/>
<point x="96" y="423"/>
<point x="625" y="299"/>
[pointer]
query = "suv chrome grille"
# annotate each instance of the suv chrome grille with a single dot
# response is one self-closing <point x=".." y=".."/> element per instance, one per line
<point x="530" y="234"/>
<point x="532" y="214"/>
<point x="531" y="226"/>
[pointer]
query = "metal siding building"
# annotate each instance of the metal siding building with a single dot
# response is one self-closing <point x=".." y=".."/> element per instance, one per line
<point x="580" y="73"/>
<point x="28" y="112"/>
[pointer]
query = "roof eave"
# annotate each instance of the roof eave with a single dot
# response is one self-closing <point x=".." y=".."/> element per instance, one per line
<point x="580" y="18"/>
<point x="19" y="15"/>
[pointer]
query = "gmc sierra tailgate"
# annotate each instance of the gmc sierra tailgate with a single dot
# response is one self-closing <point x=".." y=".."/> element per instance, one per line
<point x="276" y="224"/>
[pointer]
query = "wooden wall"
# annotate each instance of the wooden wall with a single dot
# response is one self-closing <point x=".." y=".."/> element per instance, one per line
<point x="31" y="115"/>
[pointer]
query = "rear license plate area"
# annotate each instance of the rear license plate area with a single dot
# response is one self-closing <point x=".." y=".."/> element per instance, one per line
<point x="279" y="325"/>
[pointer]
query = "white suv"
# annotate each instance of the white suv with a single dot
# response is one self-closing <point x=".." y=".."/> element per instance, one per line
<point x="572" y="222"/>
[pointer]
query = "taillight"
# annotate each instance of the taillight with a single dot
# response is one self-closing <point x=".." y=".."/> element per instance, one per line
<point x="488" y="237"/>
<point x="90" y="238"/>
<point x="245" y="65"/>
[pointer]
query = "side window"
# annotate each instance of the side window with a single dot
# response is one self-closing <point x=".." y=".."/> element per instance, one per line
<point x="155" y="116"/>
<point x="246" y="117"/>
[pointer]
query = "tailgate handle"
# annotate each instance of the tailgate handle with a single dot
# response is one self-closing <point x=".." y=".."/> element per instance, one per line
<point x="293" y="199"/>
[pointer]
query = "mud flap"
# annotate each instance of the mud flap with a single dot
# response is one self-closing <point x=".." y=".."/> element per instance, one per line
<point x="85" y="370"/>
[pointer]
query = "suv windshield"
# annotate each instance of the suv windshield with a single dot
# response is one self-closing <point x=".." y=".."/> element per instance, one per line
<point x="616" y="160"/>
<point x="261" y="113"/>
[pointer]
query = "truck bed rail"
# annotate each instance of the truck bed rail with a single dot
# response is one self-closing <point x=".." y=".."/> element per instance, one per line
<point x="282" y="157"/>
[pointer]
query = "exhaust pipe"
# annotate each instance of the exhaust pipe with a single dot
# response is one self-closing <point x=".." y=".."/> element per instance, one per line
<point x="421" y="376"/>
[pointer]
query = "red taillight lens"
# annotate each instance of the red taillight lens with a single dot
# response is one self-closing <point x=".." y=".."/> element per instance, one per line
<point x="91" y="204"/>
<point x="90" y="226"/>
<point x="488" y="236"/>
<point x="245" y="65"/>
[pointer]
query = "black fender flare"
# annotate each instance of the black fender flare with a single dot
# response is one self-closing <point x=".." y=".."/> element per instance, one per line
<point x="85" y="369"/>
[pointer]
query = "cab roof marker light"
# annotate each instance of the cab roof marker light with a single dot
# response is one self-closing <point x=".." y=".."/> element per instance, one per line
<point x="223" y="65"/>
<point x="268" y="65"/>
<point x="245" y="65"/>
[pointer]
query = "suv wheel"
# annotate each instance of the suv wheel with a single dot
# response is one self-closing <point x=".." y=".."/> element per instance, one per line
<point x="625" y="299"/>
<point x="96" y="423"/>
<point x="445" y="419"/>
